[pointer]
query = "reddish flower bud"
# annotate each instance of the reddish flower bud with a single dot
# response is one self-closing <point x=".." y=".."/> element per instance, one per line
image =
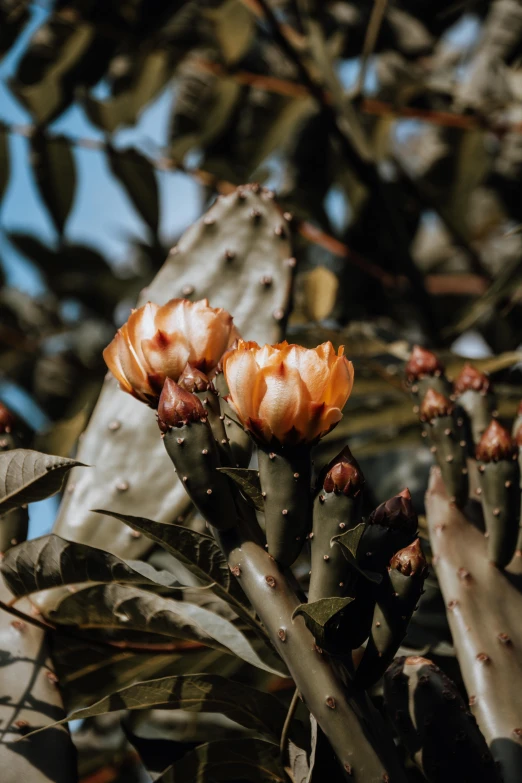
<point x="396" y="512"/>
<point x="410" y="560"/>
<point x="344" y="475"/>
<point x="435" y="405"/>
<point x="7" y="420"/>
<point x="421" y="363"/>
<point x="495" y="444"/>
<point x="471" y="379"/>
<point x="193" y="380"/>
<point x="177" y="407"/>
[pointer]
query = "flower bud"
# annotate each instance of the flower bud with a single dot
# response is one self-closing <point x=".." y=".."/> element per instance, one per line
<point x="193" y="380"/>
<point x="471" y="379"/>
<point x="177" y="407"/>
<point x="397" y="512"/>
<point x="435" y="405"/>
<point x="422" y="363"/>
<point x="344" y="475"/>
<point x="7" y="420"/>
<point x="410" y="560"/>
<point x="496" y="444"/>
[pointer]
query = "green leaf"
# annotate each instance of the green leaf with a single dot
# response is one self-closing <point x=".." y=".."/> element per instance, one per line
<point x="349" y="542"/>
<point x="321" y="616"/>
<point x="138" y="177"/>
<point x="249" y="759"/>
<point x="251" y="708"/>
<point x="55" y="173"/>
<point x="249" y="482"/>
<point x="203" y="558"/>
<point x="129" y="609"/>
<point x="27" y="476"/>
<point x="52" y="561"/>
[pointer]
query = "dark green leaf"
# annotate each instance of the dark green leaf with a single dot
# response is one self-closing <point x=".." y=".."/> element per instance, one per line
<point x="55" y="173"/>
<point x="253" y="760"/>
<point x="138" y="177"/>
<point x="129" y="609"/>
<point x="247" y="706"/>
<point x="27" y="476"/>
<point x="52" y="561"/>
<point x="320" y="616"/>
<point x="349" y="542"/>
<point x="202" y="557"/>
<point x="249" y="482"/>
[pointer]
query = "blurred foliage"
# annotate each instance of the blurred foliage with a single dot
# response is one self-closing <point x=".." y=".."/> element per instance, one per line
<point x="425" y="174"/>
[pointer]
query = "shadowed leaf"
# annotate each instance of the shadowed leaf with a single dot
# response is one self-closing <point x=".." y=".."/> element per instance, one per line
<point x="249" y="482"/>
<point x="321" y="615"/>
<point x="129" y="609"/>
<point x="27" y="476"/>
<point x="247" y="706"/>
<point x="253" y="760"/>
<point x="51" y="561"/>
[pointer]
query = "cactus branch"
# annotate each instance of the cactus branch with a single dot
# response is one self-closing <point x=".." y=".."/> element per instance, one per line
<point x="484" y="612"/>
<point x="337" y="711"/>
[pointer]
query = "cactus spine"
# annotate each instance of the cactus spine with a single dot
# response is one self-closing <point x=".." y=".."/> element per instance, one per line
<point x="445" y="431"/>
<point x="337" y="506"/>
<point x="499" y="479"/>
<point x="439" y="732"/>
<point x="285" y="477"/>
<point x="191" y="445"/>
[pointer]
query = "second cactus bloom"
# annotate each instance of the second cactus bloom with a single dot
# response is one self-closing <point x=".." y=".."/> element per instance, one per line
<point x="287" y="397"/>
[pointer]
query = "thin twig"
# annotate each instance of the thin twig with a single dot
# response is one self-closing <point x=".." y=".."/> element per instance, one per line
<point x="372" y="33"/>
<point x="286" y="727"/>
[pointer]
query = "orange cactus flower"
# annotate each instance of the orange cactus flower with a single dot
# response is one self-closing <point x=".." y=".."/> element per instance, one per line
<point x="286" y="393"/>
<point x="157" y="343"/>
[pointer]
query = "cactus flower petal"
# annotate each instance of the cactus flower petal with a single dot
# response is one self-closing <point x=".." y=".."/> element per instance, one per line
<point x="157" y="343"/>
<point x="287" y="394"/>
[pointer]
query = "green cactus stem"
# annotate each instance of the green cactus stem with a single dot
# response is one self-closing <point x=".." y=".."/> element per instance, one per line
<point x="483" y="610"/>
<point x="190" y="444"/>
<point x="473" y="393"/>
<point x="438" y="730"/>
<point x="424" y="371"/>
<point x="396" y="600"/>
<point x="499" y="486"/>
<point x="196" y="382"/>
<point x="285" y="477"/>
<point x="337" y="506"/>
<point x="444" y="429"/>
<point x="240" y="441"/>
<point x="345" y="718"/>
